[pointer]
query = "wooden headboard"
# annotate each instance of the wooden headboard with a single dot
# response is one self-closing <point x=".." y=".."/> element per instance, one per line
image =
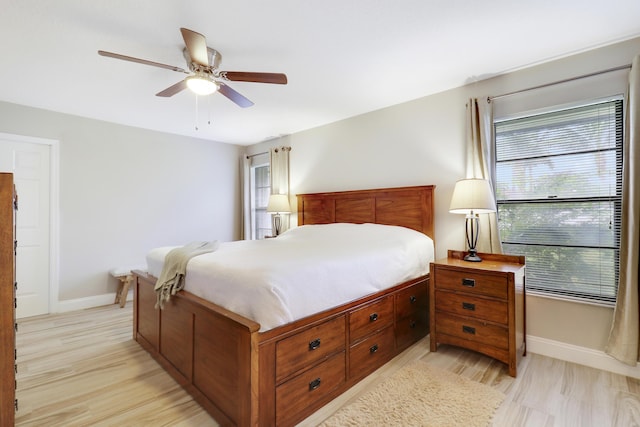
<point x="410" y="207"/>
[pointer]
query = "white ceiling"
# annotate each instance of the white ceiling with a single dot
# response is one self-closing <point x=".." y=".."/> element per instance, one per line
<point x="342" y="57"/>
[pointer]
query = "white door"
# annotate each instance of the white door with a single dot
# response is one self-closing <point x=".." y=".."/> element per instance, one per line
<point x="30" y="163"/>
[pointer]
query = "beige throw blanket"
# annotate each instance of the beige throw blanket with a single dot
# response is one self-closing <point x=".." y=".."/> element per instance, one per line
<point x="171" y="278"/>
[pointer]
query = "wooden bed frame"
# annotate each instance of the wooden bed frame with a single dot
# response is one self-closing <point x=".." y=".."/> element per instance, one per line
<point x="279" y="377"/>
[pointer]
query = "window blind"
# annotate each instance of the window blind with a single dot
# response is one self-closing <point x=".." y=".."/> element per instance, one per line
<point x="558" y="190"/>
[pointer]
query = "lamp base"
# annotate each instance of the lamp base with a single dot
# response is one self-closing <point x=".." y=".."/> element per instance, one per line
<point x="276" y="220"/>
<point x="472" y="256"/>
<point x="472" y="226"/>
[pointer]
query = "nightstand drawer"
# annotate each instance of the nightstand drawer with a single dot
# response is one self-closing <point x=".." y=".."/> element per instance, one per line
<point x="472" y="306"/>
<point x="472" y="330"/>
<point x="473" y="282"/>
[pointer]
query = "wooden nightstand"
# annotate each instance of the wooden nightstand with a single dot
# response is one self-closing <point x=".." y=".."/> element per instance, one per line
<point x="480" y="305"/>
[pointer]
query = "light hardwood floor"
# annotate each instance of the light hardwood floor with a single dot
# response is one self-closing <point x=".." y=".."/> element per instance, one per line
<point x="84" y="369"/>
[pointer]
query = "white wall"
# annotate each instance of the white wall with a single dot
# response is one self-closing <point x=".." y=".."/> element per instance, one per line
<point x="125" y="190"/>
<point x="422" y="142"/>
<point x="414" y="143"/>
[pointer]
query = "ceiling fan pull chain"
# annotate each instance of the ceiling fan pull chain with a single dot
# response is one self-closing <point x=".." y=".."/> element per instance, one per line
<point x="209" y="110"/>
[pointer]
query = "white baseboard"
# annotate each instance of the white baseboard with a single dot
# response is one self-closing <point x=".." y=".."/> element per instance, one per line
<point x="88" y="302"/>
<point x="580" y="355"/>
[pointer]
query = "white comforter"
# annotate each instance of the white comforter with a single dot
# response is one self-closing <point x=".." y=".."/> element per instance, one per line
<point x="305" y="270"/>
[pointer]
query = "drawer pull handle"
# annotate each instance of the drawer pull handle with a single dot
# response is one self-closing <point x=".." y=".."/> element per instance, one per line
<point x="413" y="299"/>
<point x="373" y="348"/>
<point x="469" y="283"/>
<point x="468" y="306"/>
<point x="373" y="317"/>
<point x="314" y="384"/>
<point x="469" y="330"/>
<point x="412" y="324"/>
<point x="314" y="344"/>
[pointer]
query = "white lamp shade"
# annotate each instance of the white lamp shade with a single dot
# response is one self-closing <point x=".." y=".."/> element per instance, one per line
<point x="472" y="195"/>
<point x="278" y="203"/>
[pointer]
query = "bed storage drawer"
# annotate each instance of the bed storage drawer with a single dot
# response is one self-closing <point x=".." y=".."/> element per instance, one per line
<point x="369" y="354"/>
<point x="412" y="314"/>
<point x="411" y="328"/>
<point x="309" y="389"/>
<point x="412" y="300"/>
<point x="370" y="318"/>
<point x="309" y="346"/>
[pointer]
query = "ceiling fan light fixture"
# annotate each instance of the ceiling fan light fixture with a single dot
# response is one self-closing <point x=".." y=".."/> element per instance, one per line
<point x="201" y="85"/>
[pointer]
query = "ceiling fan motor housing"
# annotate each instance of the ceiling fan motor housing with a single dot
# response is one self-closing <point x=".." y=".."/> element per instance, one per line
<point x="214" y="61"/>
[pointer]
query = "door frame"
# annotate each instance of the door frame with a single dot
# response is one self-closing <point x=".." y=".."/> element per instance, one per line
<point x="54" y="208"/>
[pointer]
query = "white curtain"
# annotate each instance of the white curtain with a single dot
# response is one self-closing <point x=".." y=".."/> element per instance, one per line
<point x="245" y="182"/>
<point x="480" y="164"/>
<point x="279" y="169"/>
<point x="624" y="338"/>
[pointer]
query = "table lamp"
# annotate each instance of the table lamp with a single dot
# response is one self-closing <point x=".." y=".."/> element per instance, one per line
<point x="472" y="197"/>
<point x="278" y="204"/>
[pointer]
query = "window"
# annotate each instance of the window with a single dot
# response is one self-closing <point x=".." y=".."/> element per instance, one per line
<point x="558" y="190"/>
<point x="261" y="188"/>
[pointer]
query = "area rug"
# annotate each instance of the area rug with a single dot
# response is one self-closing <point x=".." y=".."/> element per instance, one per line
<point x="420" y="395"/>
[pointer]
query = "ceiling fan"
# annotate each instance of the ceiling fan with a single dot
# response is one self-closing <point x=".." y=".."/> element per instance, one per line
<point x="204" y="76"/>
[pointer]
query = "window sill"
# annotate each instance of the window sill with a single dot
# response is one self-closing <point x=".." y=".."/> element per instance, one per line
<point x="566" y="298"/>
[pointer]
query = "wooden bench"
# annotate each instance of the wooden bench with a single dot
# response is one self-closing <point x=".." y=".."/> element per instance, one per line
<point x="124" y="275"/>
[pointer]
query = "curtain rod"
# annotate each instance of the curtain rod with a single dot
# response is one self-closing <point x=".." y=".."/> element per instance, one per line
<point x="257" y="154"/>
<point x="610" y="70"/>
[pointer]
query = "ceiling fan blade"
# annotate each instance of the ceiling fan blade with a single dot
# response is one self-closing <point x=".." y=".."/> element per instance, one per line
<point x="196" y="44"/>
<point x="242" y="76"/>
<point x="141" y="61"/>
<point x="236" y="97"/>
<point x="172" y="90"/>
